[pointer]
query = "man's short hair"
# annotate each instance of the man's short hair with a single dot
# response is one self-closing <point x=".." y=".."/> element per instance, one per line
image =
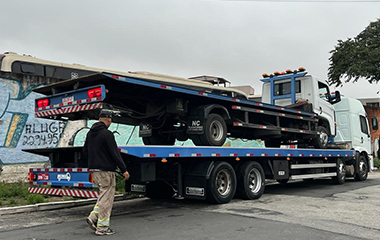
<point x="105" y="113"/>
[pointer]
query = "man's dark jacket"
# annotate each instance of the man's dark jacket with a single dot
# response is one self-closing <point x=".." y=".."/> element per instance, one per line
<point x="101" y="150"/>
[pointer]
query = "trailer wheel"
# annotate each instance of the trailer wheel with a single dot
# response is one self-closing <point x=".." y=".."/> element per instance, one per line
<point x="215" y="131"/>
<point x="251" y="181"/>
<point x="159" y="190"/>
<point x="340" y="171"/>
<point x="322" y="138"/>
<point x="221" y="186"/>
<point x="361" y="169"/>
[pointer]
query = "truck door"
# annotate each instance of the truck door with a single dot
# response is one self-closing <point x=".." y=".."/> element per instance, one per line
<point x="364" y="135"/>
<point x="323" y="107"/>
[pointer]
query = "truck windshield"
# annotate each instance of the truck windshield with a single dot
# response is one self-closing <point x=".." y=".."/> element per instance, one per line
<point x="324" y="92"/>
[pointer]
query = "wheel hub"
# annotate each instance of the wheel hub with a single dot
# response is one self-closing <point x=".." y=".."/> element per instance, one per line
<point x="216" y="130"/>
<point x="254" y="180"/>
<point x="223" y="182"/>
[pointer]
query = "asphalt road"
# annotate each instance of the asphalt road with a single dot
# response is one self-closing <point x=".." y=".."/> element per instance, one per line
<point x="298" y="210"/>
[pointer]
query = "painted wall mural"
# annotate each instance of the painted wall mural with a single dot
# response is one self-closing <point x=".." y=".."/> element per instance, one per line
<point x="19" y="129"/>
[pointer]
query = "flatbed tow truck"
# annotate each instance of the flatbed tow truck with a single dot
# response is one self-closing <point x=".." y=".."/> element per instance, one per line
<point x="167" y="111"/>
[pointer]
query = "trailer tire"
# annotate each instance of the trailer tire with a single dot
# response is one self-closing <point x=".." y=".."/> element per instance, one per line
<point x="221" y="185"/>
<point x="215" y="131"/>
<point x="251" y="181"/>
<point x="321" y="140"/>
<point x="361" y="169"/>
<point x="159" y="190"/>
<point x="340" y="171"/>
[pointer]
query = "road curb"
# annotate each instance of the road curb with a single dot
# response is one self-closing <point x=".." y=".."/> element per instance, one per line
<point x="55" y="205"/>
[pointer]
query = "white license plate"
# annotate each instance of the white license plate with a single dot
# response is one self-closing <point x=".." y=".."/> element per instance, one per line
<point x="138" y="188"/>
<point x="195" y="191"/>
<point x="68" y="99"/>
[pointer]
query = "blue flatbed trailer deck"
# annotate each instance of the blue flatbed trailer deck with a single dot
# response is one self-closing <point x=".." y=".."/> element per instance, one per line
<point x="204" y="173"/>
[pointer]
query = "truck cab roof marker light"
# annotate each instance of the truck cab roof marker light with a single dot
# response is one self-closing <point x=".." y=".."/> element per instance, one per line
<point x="265" y="75"/>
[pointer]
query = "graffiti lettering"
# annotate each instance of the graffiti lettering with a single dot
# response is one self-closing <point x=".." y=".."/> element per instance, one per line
<point x="53" y="127"/>
<point x="42" y="134"/>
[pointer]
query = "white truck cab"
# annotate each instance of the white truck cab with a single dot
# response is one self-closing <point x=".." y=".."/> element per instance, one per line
<point x="307" y="92"/>
<point x="352" y="127"/>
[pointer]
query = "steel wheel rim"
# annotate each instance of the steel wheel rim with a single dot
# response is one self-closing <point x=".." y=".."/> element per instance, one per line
<point x="362" y="167"/>
<point x="216" y="130"/>
<point x="342" y="171"/>
<point x="254" y="180"/>
<point x="323" y="138"/>
<point x="223" y="182"/>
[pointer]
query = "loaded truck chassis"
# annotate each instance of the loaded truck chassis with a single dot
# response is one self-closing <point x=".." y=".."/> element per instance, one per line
<point x="215" y="174"/>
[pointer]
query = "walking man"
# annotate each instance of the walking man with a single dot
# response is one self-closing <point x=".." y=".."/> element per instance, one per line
<point x="103" y="158"/>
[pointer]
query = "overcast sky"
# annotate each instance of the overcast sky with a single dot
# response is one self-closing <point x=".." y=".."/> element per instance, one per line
<point x="237" y="40"/>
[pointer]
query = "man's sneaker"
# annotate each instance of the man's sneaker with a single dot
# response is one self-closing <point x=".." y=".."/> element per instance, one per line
<point x="91" y="224"/>
<point x="109" y="231"/>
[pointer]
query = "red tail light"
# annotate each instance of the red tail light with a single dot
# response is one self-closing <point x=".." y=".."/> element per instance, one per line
<point x="43" y="103"/>
<point x="96" y="92"/>
<point x="31" y="176"/>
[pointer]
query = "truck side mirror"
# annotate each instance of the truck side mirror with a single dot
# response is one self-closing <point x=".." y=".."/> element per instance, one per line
<point x="375" y="124"/>
<point x="336" y="98"/>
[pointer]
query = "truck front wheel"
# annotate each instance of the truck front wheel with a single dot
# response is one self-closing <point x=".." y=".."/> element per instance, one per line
<point x="221" y="186"/>
<point x="251" y="181"/>
<point x="215" y="131"/>
<point x="340" y="172"/>
<point x="321" y="140"/>
<point x="361" y="169"/>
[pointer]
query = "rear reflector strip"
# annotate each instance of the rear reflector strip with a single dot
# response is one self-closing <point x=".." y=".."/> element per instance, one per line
<point x="64" y="192"/>
<point x="69" y="109"/>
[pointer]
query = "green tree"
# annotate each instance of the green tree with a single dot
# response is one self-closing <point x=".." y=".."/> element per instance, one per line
<point x="357" y="58"/>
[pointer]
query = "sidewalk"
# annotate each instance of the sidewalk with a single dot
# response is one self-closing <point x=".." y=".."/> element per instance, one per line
<point x="55" y="205"/>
